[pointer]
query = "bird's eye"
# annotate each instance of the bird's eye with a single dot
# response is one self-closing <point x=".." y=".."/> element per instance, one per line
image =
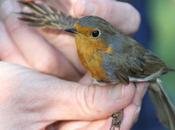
<point x="95" y="33"/>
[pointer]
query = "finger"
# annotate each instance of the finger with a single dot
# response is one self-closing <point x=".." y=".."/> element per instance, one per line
<point x="141" y="89"/>
<point x="66" y="45"/>
<point x="84" y="101"/>
<point x="39" y="54"/>
<point x="8" y="51"/>
<point x="131" y="112"/>
<point x="127" y="22"/>
<point x="62" y="42"/>
<point x="51" y="96"/>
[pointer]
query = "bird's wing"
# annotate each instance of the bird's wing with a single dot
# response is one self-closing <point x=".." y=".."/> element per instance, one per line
<point x="136" y="62"/>
<point x="45" y="16"/>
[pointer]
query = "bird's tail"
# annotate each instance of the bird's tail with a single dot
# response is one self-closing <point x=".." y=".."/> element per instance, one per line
<point x="164" y="107"/>
<point x="171" y="69"/>
<point x="45" y="16"/>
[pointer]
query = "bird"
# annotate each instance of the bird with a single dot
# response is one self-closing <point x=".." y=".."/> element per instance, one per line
<point x="109" y="55"/>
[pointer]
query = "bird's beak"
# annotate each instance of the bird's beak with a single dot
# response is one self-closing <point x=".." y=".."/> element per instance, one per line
<point x="71" y="30"/>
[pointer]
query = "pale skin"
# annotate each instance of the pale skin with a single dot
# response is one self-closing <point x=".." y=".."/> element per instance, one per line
<point x="46" y="83"/>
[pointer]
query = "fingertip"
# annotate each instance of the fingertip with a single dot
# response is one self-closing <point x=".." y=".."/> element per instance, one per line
<point x="132" y="21"/>
<point x="127" y="23"/>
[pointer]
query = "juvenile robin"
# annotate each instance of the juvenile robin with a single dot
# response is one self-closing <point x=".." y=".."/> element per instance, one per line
<point x="109" y="55"/>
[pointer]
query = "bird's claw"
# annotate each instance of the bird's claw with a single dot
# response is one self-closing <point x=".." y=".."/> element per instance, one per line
<point x="117" y="118"/>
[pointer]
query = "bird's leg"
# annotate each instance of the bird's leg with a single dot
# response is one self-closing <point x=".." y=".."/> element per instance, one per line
<point x="117" y="118"/>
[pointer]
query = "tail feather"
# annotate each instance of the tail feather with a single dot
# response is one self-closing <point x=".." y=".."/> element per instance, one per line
<point x="45" y="16"/>
<point x="164" y="107"/>
<point x="171" y="69"/>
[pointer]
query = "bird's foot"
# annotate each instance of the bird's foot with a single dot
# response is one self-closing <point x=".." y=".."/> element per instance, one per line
<point x="117" y="118"/>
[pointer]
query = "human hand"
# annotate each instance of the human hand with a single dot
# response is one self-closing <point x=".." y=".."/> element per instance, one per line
<point x="32" y="100"/>
<point x="17" y="33"/>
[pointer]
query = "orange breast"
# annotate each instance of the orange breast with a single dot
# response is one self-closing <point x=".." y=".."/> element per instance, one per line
<point x="91" y="57"/>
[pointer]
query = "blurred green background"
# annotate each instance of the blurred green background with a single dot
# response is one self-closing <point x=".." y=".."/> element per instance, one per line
<point x="162" y="16"/>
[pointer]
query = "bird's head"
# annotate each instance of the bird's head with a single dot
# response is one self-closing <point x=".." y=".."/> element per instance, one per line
<point x="92" y="27"/>
<point x="93" y="31"/>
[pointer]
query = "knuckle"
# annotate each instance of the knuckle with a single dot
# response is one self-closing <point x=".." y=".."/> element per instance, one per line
<point x="89" y="97"/>
<point x="88" y="100"/>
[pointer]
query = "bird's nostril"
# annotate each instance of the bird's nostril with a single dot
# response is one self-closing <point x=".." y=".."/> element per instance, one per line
<point x="71" y="30"/>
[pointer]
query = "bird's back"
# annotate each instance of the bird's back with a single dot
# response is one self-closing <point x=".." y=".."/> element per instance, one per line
<point x="133" y="60"/>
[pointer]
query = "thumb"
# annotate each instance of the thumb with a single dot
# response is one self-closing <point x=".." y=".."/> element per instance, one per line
<point x="73" y="101"/>
<point x="42" y="98"/>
